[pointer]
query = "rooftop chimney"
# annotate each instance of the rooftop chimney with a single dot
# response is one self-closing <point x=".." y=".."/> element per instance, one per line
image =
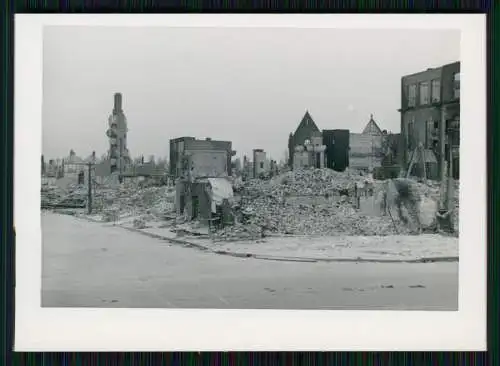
<point x="118" y="103"/>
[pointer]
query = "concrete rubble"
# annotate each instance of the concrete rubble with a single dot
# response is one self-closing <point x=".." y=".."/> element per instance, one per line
<point x="74" y="196"/>
<point x="315" y="202"/>
<point x="112" y="203"/>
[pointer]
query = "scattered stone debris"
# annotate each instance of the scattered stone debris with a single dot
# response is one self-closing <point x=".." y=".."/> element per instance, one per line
<point x="110" y="203"/>
<point x="315" y="202"/>
<point x="139" y="223"/>
<point x="318" y="202"/>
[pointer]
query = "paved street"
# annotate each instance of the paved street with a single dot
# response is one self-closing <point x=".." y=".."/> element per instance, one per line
<point x="92" y="265"/>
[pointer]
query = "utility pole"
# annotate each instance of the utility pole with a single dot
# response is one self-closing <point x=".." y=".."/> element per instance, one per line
<point x="445" y="213"/>
<point x="89" y="201"/>
<point x="442" y="157"/>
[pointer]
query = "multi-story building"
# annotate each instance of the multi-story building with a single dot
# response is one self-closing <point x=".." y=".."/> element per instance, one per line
<point x="430" y="117"/>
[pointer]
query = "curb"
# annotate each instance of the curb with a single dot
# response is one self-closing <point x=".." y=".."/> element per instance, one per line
<point x="281" y="258"/>
<point x="292" y="258"/>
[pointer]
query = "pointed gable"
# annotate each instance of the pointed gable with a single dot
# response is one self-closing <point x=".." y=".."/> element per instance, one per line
<point x="307" y="124"/>
<point x="372" y="128"/>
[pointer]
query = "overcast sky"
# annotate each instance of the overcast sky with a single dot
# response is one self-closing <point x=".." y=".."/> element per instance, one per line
<point x="247" y="85"/>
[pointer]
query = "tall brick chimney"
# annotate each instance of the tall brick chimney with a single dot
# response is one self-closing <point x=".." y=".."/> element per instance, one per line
<point x="118" y="103"/>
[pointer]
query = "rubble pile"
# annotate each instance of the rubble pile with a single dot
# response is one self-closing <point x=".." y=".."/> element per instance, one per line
<point x="339" y="218"/>
<point x="148" y="203"/>
<point x="74" y="196"/>
<point x="270" y="207"/>
<point x="304" y="182"/>
<point x="151" y="202"/>
<point x="139" y="223"/>
<point x="432" y="189"/>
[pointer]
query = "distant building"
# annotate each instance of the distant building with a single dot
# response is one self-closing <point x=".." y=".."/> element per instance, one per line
<point x="310" y="155"/>
<point x="259" y="163"/>
<point x="306" y="130"/>
<point x="305" y="145"/>
<point x="430" y="117"/>
<point x="236" y="166"/>
<point x="336" y="149"/>
<point x="366" y="148"/>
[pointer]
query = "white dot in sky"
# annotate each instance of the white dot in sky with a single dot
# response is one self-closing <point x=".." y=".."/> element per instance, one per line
<point x="350" y="108"/>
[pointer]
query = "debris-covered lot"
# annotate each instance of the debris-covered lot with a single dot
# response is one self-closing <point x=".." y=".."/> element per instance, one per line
<point x="318" y="202"/>
<point x="321" y="202"/>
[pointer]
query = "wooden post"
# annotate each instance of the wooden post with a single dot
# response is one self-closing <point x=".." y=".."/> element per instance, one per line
<point x="442" y="158"/>
<point x="412" y="161"/>
<point x="422" y="157"/>
<point x="90" y="189"/>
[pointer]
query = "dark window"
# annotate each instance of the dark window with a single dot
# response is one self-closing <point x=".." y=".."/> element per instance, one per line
<point x="424" y="93"/>
<point x="412" y="95"/>
<point x="262" y="165"/>
<point x="410" y="134"/>
<point x="436" y="91"/>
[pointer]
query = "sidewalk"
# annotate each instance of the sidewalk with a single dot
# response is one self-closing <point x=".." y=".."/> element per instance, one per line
<point x="395" y="248"/>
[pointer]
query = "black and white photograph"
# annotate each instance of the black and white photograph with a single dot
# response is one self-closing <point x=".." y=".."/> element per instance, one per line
<point x="252" y="168"/>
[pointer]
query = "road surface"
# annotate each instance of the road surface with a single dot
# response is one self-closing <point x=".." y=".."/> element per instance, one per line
<point x="89" y="264"/>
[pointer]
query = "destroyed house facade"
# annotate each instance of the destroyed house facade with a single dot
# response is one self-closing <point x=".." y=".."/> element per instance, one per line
<point x="201" y="169"/>
<point x="366" y="148"/>
<point x="200" y="158"/>
<point x="335" y="149"/>
<point x="430" y="118"/>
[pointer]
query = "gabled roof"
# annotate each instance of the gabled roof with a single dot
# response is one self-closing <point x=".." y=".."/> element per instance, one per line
<point x="307" y="122"/>
<point x="372" y="128"/>
<point x="73" y="159"/>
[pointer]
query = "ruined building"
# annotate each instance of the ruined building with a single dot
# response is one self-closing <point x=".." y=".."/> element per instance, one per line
<point x="366" y="148"/>
<point x="305" y="144"/>
<point x="310" y="154"/>
<point x="118" y="154"/>
<point x="335" y="149"/>
<point x="205" y="157"/>
<point x="430" y="117"/>
<point x="201" y="169"/>
<point x="259" y="163"/>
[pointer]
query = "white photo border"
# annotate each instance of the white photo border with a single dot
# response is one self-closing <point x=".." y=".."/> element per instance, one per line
<point x="91" y="329"/>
